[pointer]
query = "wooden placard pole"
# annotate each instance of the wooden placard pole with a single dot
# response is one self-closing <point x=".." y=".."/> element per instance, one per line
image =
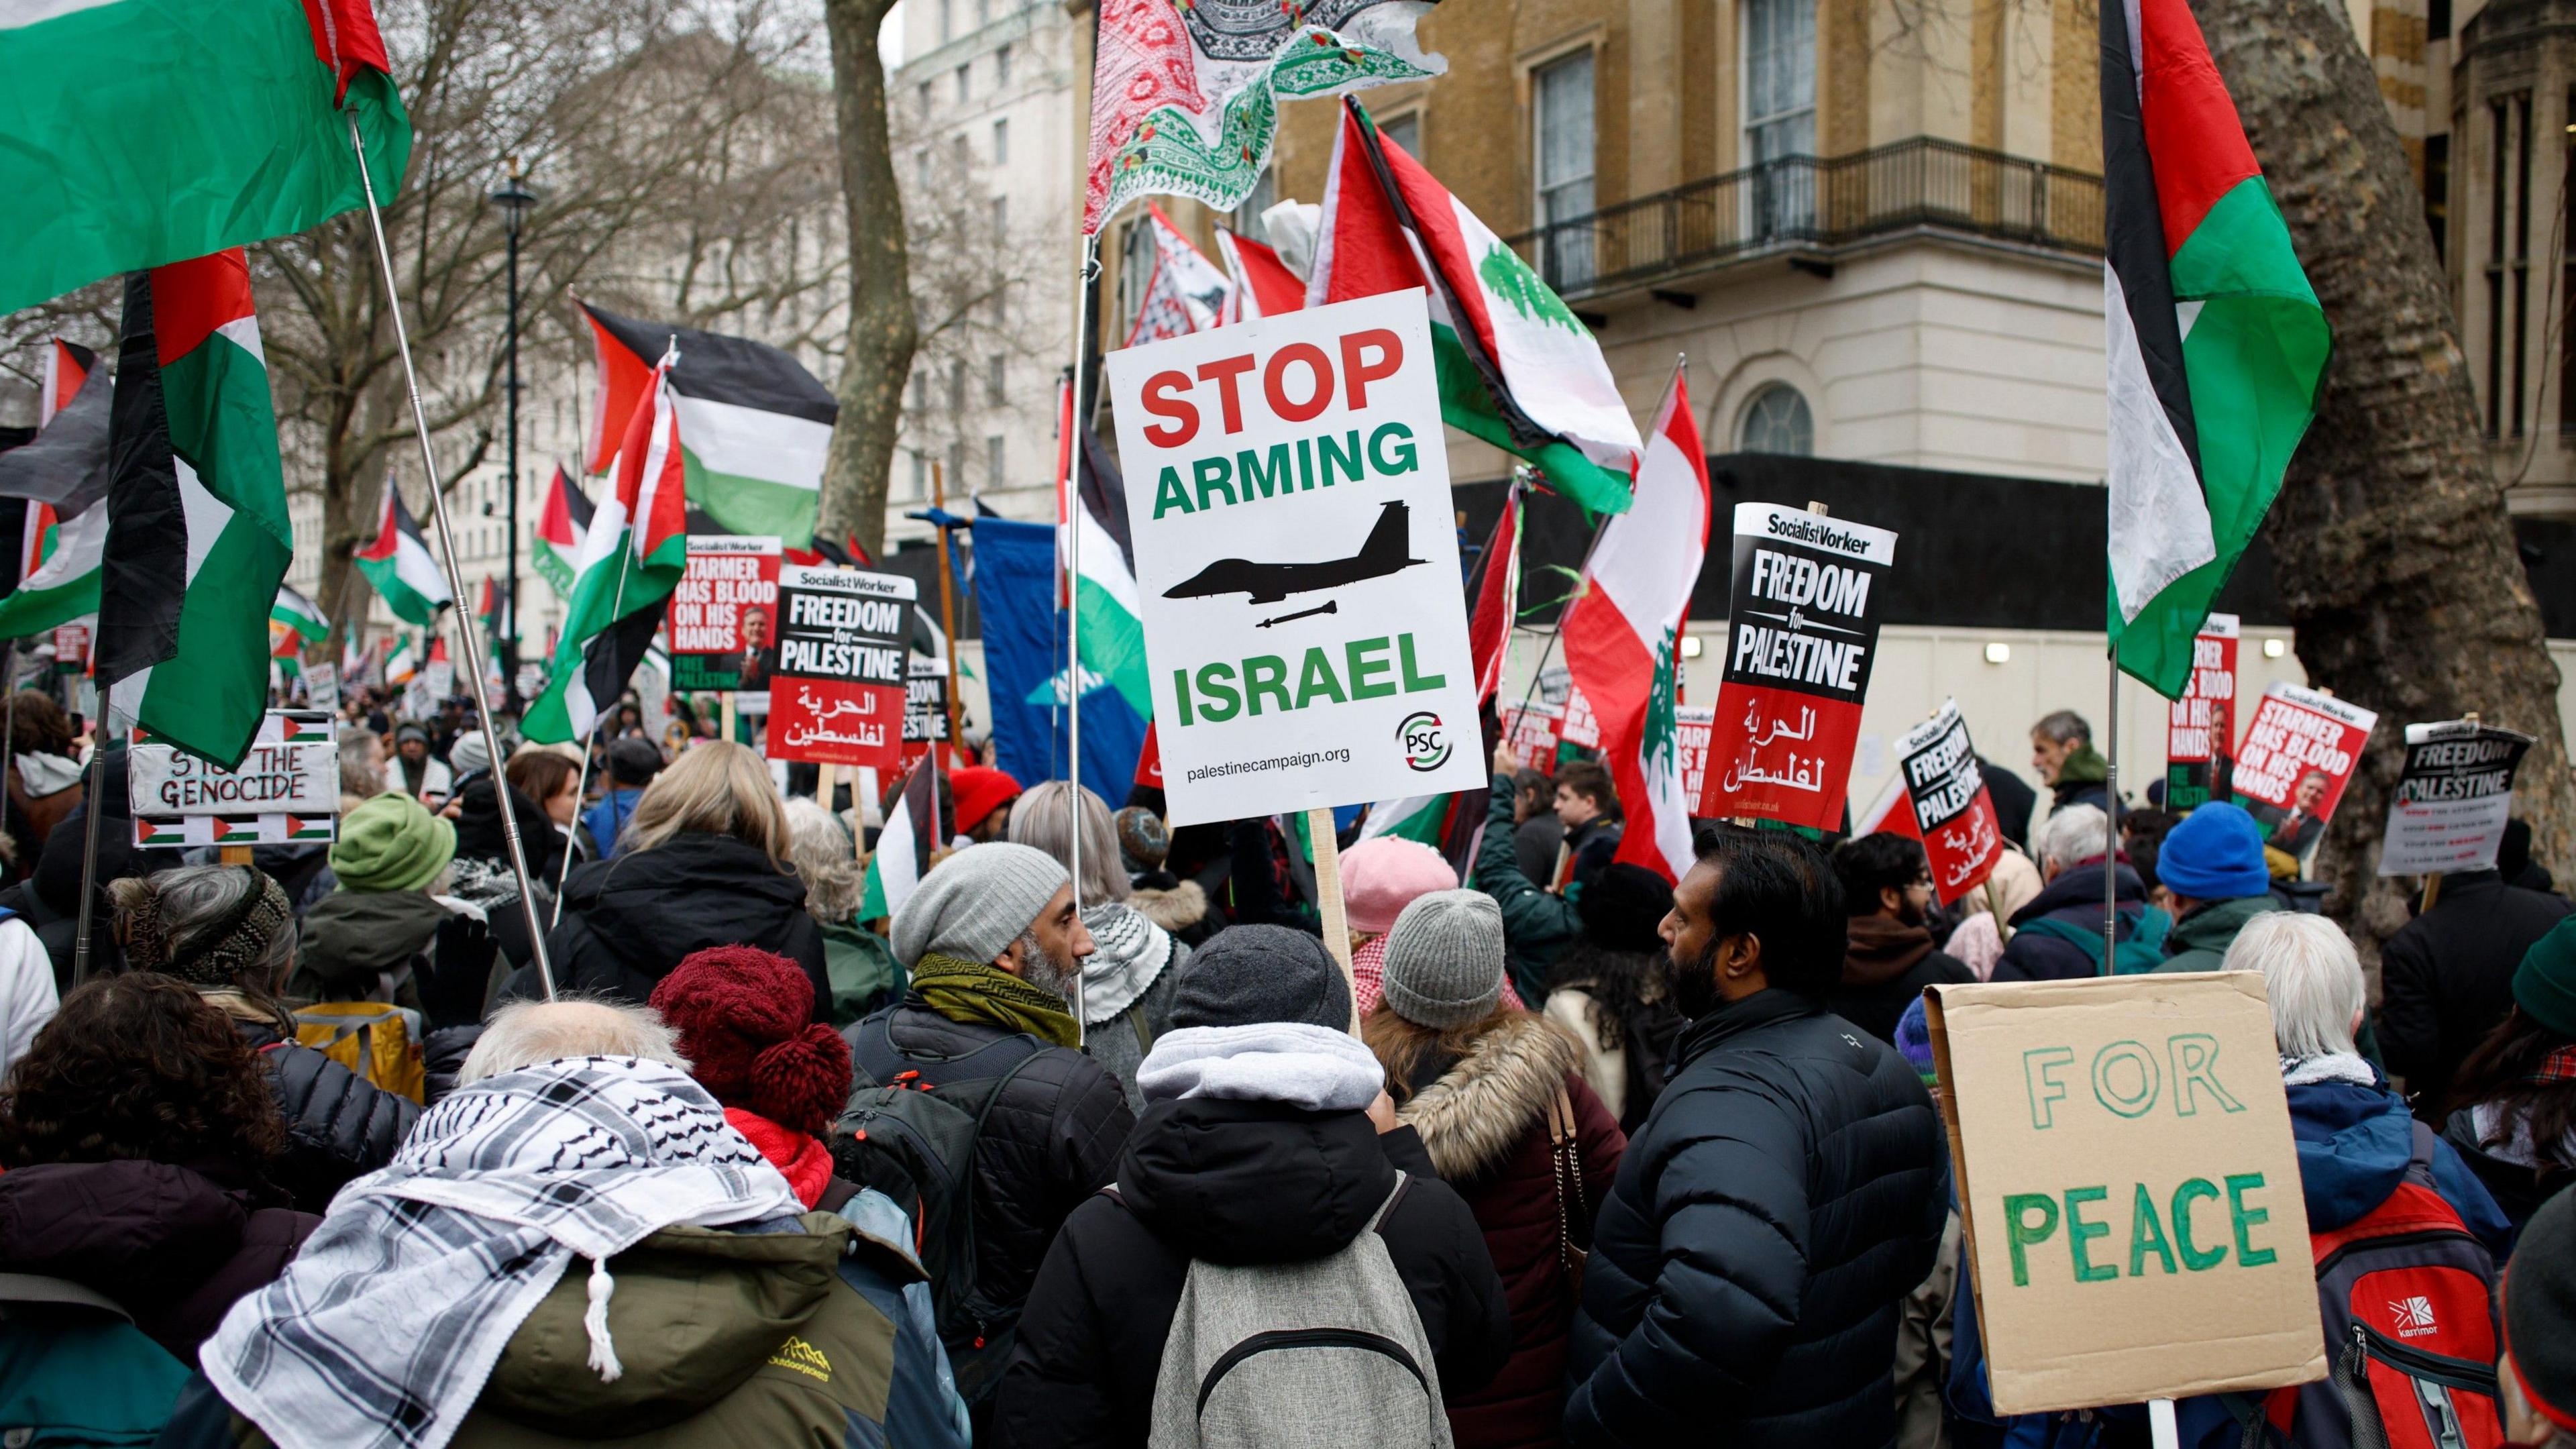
<point x="727" y="708"/>
<point x="827" y="776"/>
<point x="1328" y="895"/>
<point x="947" y="612"/>
<point x="232" y="854"/>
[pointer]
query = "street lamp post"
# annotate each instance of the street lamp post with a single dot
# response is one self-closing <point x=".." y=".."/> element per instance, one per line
<point x="515" y="201"/>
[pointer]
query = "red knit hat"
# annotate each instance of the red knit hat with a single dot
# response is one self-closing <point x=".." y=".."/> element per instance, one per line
<point x="978" y="791"/>
<point x="743" y="1018"/>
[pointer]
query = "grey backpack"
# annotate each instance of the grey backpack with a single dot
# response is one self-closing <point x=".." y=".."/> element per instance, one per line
<point x="1324" y="1354"/>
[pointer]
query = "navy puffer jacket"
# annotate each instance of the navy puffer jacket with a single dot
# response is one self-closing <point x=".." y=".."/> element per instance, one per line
<point x="1746" y="1272"/>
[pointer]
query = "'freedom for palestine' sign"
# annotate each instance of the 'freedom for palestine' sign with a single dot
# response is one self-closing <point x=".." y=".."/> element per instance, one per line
<point x="838" y="694"/>
<point x="1296" y="566"/>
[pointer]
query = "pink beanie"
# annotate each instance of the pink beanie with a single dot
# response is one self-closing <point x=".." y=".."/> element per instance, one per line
<point x="1384" y="874"/>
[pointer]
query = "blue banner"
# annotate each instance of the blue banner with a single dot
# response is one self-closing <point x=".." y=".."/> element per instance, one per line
<point x="1024" y="639"/>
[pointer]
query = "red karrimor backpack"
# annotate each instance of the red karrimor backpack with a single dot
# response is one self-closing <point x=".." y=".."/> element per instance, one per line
<point x="2409" y="1301"/>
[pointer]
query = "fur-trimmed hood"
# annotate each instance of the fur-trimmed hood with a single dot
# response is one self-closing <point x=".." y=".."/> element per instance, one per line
<point x="1472" y="1118"/>
<point x="1175" y="910"/>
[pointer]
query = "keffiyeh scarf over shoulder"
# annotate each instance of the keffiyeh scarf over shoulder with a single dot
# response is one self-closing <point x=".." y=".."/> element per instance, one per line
<point x="382" y="1332"/>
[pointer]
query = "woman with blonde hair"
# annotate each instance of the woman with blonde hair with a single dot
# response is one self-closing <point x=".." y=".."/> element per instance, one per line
<point x="703" y="863"/>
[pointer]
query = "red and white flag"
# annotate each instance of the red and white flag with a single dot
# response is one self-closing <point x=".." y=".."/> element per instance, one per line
<point x="1622" y="634"/>
<point x="1498" y="592"/>
<point x="1263" y="285"/>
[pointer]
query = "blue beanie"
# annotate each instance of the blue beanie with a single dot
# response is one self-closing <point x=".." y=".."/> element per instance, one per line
<point x="2215" y="854"/>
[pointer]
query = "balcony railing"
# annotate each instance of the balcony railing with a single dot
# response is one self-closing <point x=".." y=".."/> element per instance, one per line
<point x="1808" y="201"/>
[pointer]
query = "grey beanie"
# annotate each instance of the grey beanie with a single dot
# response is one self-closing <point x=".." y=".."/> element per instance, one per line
<point x="976" y="903"/>
<point x="1250" y="975"/>
<point x="471" y="754"/>
<point x="1444" y="959"/>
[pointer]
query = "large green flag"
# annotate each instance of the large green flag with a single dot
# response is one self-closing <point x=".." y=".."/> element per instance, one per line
<point x="144" y="132"/>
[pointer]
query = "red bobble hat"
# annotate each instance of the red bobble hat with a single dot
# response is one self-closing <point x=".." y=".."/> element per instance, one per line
<point x="978" y="791"/>
<point x="743" y="1015"/>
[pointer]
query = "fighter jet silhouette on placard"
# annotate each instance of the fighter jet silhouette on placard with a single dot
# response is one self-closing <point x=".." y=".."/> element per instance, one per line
<point x="1268" y="583"/>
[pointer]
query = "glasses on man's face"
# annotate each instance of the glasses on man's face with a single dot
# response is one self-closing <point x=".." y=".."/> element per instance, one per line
<point x="1920" y="883"/>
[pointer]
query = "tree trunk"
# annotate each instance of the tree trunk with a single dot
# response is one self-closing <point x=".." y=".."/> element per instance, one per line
<point x="2391" y="543"/>
<point x="883" y="331"/>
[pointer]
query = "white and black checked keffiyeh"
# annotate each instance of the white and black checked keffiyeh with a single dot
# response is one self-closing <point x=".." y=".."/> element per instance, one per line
<point x="382" y="1332"/>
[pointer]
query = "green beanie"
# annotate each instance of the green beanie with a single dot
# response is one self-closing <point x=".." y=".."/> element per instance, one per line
<point x="2544" y="986"/>
<point x="391" y="843"/>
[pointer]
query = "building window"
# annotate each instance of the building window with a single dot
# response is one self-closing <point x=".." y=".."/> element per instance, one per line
<point x="996" y="380"/>
<point x="921" y="170"/>
<point x="921" y="94"/>
<point x="957" y="464"/>
<point x="1406" y="132"/>
<point x="1777" y="421"/>
<point x="1002" y="65"/>
<point x="983" y="13"/>
<point x="947" y="21"/>
<point x="1002" y="216"/>
<point x="1780" y="110"/>
<point x="1135" y="276"/>
<point x="957" y="386"/>
<point x="1563" y="148"/>
<point x="965" y="83"/>
<point x="994" y="473"/>
<point x="1002" y="143"/>
<point x="921" y="390"/>
<point x="2508" y="261"/>
<point x="1246" y="221"/>
<point x="920" y="474"/>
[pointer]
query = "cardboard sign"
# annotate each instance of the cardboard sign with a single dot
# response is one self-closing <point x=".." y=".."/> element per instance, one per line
<point x="838" y="694"/>
<point x="439" y="678"/>
<point x="1580" y="727"/>
<point x="2296" y="758"/>
<point x="322" y="687"/>
<point x="1692" y="726"/>
<point x="1296" y="563"/>
<point x="1797" y="665"/>
<point x="724" y="615"/>
<point x="1953" y="815"/>
<point x="287" y="789"/>
<point x="2452" y="798"/>
<point x="1531" y="730"/>
<point x="2200" y="727"/>
<point x="2128" y="1188"/>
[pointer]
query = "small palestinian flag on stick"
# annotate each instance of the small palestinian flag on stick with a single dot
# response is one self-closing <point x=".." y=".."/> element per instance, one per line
<point x="61" y="479"/>
<point x="197" y="536"/>
<point x="894" y="867"/>
<point x="559" y="532"/>
<point x="2216" y="342"/>
<point x="401" y="566"/>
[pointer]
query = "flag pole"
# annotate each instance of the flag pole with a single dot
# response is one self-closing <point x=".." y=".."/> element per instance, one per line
<point x="455" y="576"/>
<point x="2111" y="823"/>
<point x="1090" y="274"/>
<point x="91" y="805"/>
<point x="581" y="785"/>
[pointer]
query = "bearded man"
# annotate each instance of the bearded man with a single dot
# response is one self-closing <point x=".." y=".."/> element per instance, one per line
<point x="1887" y="888"/>
<point x="1792" y="1188"/>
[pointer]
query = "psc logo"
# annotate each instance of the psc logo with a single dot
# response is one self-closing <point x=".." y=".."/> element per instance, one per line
<point x="1426" y="744"/>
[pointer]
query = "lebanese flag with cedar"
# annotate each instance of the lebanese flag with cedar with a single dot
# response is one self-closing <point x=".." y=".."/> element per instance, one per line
<point x="1622" y="632"/>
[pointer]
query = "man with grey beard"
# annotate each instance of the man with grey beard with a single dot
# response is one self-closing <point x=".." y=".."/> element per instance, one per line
<point x="993" y="945"/>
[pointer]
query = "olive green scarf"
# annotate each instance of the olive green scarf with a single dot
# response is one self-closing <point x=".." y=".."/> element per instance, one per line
<point x="964" y="990"/>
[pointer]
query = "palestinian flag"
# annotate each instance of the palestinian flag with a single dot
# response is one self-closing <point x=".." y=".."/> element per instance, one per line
<point x="894" y="867"/>
<point x="61" y="479"/>
<point x="1517" y="368"/>
<point x="493" y="610"/>
<point x="293" y="622"/>
<point x="143" y="133"/>
<point x="633" y="553"/>
<point x="1498" y="592"/>
<point x="67" y="366"/>
<point x="1105" y="599"/>
<point x="754" y="423"/>
<point x="1621" y="630"/>
<point x="559" y="531"/>
<point x="2216" y="343"/>
<point x="197" y="535"/>
<point x="1262" y="284"/>
<point x="401" y="566"/>
<point x="1185" y="293"/>
<point x="1423" y="818"/>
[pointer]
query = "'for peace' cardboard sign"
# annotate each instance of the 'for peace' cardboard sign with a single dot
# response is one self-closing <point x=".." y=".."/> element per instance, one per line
<point x="1296" y="568"/>
<point x="2128" y="1187"/>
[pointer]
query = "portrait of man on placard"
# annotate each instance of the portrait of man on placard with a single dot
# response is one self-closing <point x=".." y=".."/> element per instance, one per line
<point x="759" y="648"/>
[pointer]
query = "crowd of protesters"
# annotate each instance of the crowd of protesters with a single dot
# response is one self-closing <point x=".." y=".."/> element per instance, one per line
<point x="680" y="1138"/>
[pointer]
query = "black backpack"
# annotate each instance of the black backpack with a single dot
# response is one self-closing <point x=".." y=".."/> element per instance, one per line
<point x="909" y="1131"/>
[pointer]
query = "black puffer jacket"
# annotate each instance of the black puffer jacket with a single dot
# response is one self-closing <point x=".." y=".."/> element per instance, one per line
<point x="1766" y="1224"/>
<point x="174" y="1247"/>
<point x="1234" y="1182"/>
<point x="1051" y="1139"/>
<point x="338" y="1127"/>
<point x="627" y="922"/>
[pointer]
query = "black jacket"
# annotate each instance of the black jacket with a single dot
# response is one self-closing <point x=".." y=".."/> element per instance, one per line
<point x="338" y="1127"/>
<point x="627" y="922"/>
<point x="2014" y="800"/>
<point x="1885" y="969"/>
<point x="2447" y="978"/>
<point x="2075" y="897"/>
<point x="1050" y="1140"/>
<point x="1766" y="1224"/>
<point x="1234" y="1182"/>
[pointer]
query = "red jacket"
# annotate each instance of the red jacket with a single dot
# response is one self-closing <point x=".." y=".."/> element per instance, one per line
<point x="1485" y="1124"/>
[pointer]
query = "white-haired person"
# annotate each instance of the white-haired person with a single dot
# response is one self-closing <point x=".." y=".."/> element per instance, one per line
<point x="576" y="1246"/>
<point x="2357" y="1143"/>
<point x="2058" y="935"/>
<point x="864" y="974"/>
